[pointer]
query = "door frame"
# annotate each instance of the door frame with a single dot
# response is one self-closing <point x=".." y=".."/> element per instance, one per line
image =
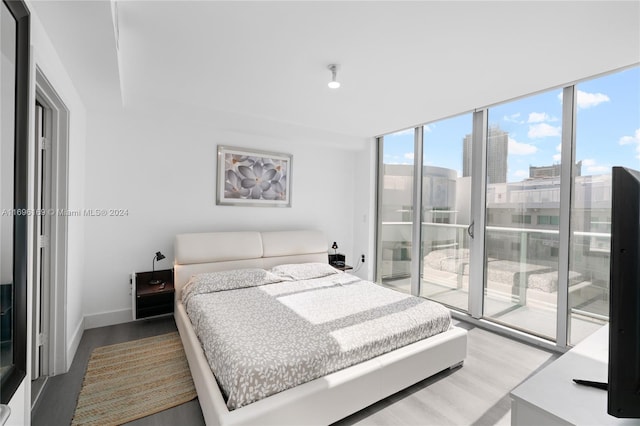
<point x="57" y="115"/>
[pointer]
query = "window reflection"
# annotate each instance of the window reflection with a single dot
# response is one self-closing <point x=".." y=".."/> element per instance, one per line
<point x="523" y="195"/>
<point x="396" y="210"/>
<point x="446" y="211"/>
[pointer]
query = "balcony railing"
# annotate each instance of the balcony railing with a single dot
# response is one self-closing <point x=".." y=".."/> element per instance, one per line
<point x="524" y="252"/>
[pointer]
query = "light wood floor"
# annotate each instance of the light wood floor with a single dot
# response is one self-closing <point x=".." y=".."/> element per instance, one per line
<point x="474" y="394"/>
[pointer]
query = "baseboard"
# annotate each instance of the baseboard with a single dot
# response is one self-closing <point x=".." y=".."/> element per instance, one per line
<point x="74" y="342"/>
<point x="103" y="319"/>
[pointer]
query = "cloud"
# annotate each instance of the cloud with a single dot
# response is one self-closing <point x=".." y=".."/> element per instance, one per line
<point x="557" y="157"/>
<point x="514" y="118"/>
<point x="543" y="130"/>
<point x="427" y="128"/>
<point x="522" y="174"/>
<point x="408" y="155"/>
<point x="539" y="117"/>
<point x="635" y="139"/>
<point x="591" y="166"/>
<point x="587" y="100"/>
<point x="517" y="148"/>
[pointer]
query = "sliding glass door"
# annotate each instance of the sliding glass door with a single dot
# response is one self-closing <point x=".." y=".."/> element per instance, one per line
<point x="446" y="211"/>
<point x="522" y="213"/>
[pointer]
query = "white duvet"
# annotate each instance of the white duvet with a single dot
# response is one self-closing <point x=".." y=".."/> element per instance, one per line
<point x="260" y="339"/>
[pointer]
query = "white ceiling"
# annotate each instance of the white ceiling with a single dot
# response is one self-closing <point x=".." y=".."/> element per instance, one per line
<point x="401" y="63"/>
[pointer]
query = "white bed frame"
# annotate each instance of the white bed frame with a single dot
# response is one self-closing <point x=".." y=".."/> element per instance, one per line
<point x="321" y="401"/>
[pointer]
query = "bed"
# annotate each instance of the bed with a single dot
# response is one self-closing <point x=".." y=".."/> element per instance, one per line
<point x="322" y="400"/>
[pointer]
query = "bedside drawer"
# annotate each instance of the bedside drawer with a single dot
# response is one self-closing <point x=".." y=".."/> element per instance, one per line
<point x="150" y="305"/>
<point x="154" y="310"/>
<point x="149" y="300"/>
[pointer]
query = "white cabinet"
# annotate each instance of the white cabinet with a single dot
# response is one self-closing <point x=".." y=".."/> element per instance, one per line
<point x="550" y="397"/>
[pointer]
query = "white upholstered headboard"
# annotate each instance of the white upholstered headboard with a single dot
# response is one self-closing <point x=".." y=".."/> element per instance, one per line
<point x="219" y="251"/>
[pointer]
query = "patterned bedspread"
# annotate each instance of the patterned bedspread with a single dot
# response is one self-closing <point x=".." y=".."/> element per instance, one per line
<point x="263" y="339"/>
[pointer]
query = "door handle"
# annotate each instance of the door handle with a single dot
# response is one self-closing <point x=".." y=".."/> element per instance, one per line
<point x="470" y="229"/>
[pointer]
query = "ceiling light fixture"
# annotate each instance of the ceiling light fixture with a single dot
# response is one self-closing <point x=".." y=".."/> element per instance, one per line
<point x="333" y="84"/>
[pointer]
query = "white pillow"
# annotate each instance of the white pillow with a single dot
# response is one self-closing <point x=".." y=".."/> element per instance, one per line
<point x="228" y="280"/>
<point x="304" y="271"/>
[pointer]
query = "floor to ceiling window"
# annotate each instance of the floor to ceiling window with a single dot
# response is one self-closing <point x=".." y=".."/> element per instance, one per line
<point x="446" y="211"/>
<point x="540" y="261"/>
<point x="607" y="134"/>
<point x="522" y="212"/>
<point x="395" y="213"/>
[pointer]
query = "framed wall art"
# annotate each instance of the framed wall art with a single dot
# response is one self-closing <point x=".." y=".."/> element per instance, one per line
<point x="248" y="177"/>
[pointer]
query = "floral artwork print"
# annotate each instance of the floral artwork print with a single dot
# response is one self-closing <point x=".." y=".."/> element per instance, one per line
<point x="253" y="177"/>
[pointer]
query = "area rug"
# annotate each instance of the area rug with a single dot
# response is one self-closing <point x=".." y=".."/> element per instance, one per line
<point x="127" y="381"/>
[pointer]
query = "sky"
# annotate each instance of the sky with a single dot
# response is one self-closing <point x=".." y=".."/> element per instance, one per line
<point x="607" y="130"/>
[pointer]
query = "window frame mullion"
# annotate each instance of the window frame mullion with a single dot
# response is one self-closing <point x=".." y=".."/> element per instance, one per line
<point x="416" y="229"/>
<point x="566" y="184"/>
<point x="378" y="200"/>
<point x="478" y="212"/>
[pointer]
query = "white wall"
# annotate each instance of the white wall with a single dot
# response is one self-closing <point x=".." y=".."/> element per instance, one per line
<point x="364" y="197"/>
<point x="161" y="166"/>
<point x="46" y="58"/>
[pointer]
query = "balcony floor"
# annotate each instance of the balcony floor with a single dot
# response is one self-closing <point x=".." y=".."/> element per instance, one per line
<point x="540" y="320"/>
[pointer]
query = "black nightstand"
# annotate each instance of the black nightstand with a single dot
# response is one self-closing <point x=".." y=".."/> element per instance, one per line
<point x="344" y="267"/>
<point x="152" y="300"/>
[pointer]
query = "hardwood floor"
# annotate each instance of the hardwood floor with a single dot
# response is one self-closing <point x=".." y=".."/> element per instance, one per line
<point x="58" y="400"/>
<point x="475" y="394"/>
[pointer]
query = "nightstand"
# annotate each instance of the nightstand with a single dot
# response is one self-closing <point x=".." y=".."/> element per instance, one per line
<point x="344" y="267"/>
<point x="152" y="300"/>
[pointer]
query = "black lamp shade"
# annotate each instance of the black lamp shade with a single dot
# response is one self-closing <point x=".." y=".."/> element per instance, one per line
<point x="334" y="246"/>
<point x="154" y="281"/>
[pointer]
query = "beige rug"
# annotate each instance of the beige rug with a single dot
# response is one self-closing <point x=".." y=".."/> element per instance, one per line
<point x="127" y="381"/>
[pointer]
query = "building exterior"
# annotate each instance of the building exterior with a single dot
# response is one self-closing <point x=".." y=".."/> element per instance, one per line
<point x="520" y="217"/>
<point x="497" y="151"/>
<point x="551" y="171"/>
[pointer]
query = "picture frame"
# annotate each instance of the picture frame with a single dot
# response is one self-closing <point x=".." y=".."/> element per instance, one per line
<point x="249" y="177"/>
